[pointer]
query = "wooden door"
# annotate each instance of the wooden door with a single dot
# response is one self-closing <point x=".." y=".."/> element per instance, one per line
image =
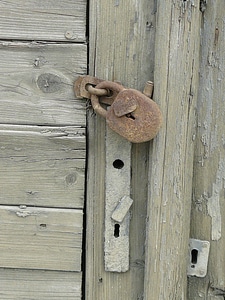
<point x="42" y="148"/>
<point x="178" y="179"/>
<point x="121" y="48"/>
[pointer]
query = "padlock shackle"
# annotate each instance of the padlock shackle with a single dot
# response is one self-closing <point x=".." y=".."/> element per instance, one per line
<point x="112" y="86"/>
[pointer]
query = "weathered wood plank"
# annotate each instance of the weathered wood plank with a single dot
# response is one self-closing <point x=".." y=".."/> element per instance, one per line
<point x="208" y="208"/>
<point x="42" y="166"/>
<point x="43" y="20"/>
<point x="201" y="288"/>
<point x="176" y="87"/>
<point x="36" y="83"/>
<point x="40" y="238"/>
<point x="121" y="48"/>
<point x="39" y="285"/>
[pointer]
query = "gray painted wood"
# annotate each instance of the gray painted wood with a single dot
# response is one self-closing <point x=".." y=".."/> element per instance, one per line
<point x="39" y="285"/>
<point x="43" y="20"/>
<point x="170" y="178"/>
<point x="36" y="83"/>
<point x="42" y="166"/>
<point x="121" y="48"/>
<point x="40" y="238"/>
<point x="208" y="205"/>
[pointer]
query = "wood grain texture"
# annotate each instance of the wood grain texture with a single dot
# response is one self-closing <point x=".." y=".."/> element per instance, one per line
<point x="170" y="190"/>
<point x="39" y="285"/>
<point x="42" y="148"/>
<point x="40" y="238"/>
<point x="121" y="48"/>
<point x="42" y="166"/>
<point x="208" y="207"/>
<point x="43" y="20"/>
<point x="36" y="83"/>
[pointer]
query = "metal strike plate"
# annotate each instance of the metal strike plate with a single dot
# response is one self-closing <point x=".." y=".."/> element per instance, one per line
<point x="198" y="258"/>
<point x="117" y="205"/>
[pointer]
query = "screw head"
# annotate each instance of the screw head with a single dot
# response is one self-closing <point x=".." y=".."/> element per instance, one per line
<point x="69" y="35"/>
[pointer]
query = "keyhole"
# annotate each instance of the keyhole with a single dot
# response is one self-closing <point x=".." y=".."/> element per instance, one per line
<point x="130" y="116"/>
<point x="117" y="230"/>
<point x="194" y="257"/>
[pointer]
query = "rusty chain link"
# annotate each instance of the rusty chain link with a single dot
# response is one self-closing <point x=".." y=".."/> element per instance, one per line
<point x="95" y="91"/>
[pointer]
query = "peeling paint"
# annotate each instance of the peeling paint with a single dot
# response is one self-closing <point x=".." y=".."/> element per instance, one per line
<point x="213" y="204"/>
<point x="214" y="212"/>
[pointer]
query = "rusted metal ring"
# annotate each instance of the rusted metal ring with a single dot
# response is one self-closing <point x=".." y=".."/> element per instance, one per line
<point x="95" y="91"/>
<point x="97" y="107"/>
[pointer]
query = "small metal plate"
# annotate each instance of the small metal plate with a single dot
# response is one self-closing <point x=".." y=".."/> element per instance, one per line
<point x="117" y="184"/>
<point x="198" y="258"/>
<point x="122" y="209"/>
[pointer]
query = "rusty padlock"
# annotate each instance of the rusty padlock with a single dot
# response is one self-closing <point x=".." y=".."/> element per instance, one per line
<point x="132" y="114"/>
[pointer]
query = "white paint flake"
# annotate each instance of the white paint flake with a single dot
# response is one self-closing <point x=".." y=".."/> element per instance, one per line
<point x="213" y="204"/>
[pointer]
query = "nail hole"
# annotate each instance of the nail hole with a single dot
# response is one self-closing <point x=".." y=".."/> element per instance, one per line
<point x="118" y="164"/>
<point x="117" y="230"/>
<point x="43" y="225"/>
<point x="194" y="257"/>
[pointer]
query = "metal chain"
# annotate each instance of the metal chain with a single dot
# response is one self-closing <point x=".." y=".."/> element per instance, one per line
<point x="98" y="92"/>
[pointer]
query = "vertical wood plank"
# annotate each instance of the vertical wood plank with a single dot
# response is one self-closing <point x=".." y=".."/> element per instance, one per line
<point x="176" y="82"/>
<point x="208" y="207"/>
<point x="121" y="48"/>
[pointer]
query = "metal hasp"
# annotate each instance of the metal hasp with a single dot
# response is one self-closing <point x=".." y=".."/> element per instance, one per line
<point x="118" y="170"/>
<point x="131" y="114"/>
<point x="198" y="258"/>
<point x="117" y="203"/>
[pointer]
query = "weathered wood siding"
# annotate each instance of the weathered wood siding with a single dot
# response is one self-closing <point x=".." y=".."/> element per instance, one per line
<point x="208" y="205"/>
<point x="51" y="20"/>
<point x="36" y="83"/>
<point x="39" y="284"/>
<point x="40" y="238"/>
<point x="42" y="148"/>
<point x="43" y="166"/>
